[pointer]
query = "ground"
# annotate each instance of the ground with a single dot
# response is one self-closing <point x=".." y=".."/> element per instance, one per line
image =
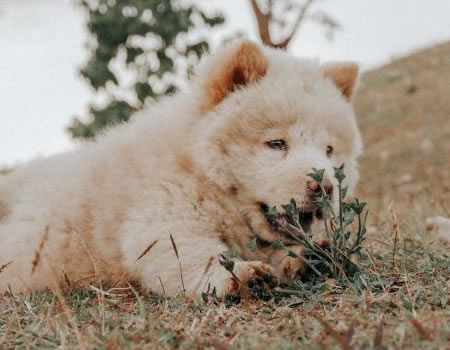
<point x="403" y="111"/>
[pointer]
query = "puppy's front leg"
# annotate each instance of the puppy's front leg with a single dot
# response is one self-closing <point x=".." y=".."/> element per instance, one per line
<point x="197" y="267"/>
<point x="171" y="264"/>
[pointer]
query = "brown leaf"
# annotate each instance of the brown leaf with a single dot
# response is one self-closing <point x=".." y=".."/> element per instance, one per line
<point x="37" y="254"/>
<point x="4" y="266"/>
<point x="208" y="265"/>
<point x="179" y="263"/>
<point x="66" y="278"/>
<point x="378" y="339"/>
<point x="342" y="341"/>
<point x="174" y="246"/>
<point x="349" y="332"/>
<point x="147" y="249"/>
<point x="424" y="333"/>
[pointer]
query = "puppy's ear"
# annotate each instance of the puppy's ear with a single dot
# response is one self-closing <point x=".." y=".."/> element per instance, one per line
<point x="233" y="67"/>
<point x="344" y="75"/>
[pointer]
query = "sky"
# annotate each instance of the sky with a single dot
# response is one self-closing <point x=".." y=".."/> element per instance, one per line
<point x="42" y="49"/>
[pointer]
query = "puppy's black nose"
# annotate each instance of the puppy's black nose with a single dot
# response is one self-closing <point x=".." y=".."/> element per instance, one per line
<point x="315" y="190"/>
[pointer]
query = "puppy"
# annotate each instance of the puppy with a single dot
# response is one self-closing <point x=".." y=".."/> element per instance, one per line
<point x="192" y="175"/>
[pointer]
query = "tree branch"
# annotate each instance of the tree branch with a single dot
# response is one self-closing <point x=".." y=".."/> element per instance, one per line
<point x="263" y="20"/>
<point x="301" y="16"/>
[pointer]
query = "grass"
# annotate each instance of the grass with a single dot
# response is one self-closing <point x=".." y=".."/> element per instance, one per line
<point x="403" y="305"/>
<point x="410" y="311"/>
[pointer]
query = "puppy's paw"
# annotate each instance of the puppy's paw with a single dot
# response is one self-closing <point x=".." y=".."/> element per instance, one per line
<point x="288" y="262"/>
<point x="291" y="265"/>
<point x="248" y="274"/>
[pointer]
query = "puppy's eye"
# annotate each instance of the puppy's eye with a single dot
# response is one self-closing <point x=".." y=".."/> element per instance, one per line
<point x="277" y="144"/>
<point x="329" y="150"/>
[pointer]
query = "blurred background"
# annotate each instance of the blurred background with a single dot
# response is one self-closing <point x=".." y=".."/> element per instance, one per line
<point x="68" y="68"/>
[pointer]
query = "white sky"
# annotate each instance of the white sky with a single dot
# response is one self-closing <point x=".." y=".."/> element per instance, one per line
<point x="41" y="50"/>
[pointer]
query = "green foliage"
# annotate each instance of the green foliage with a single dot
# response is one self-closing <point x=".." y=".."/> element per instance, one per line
<point x="251" y="245"/>
<point x="344" y="237"/>
<point x="334" y="258"/>
<point x="278" y="245"/>
<point x="317" y="175"/>
<point x="153" y="42"/>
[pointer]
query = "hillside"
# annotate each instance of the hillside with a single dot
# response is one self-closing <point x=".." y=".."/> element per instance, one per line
<point x="404" y="114"/>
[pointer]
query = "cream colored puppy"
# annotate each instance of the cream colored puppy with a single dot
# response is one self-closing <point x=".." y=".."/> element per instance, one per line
<point x="201" y="166"/>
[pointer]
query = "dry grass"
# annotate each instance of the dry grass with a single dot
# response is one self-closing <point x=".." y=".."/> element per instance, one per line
<point x="410" y="311"/>
<point x="404" y="109"/>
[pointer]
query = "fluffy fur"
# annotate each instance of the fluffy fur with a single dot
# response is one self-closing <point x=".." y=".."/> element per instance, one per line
<point x="195" y="166"/>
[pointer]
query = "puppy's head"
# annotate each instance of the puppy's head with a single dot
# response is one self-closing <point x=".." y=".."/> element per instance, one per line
<point x="267" y="119"/>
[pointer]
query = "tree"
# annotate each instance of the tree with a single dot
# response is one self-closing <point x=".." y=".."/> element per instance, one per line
<point x="139" y="49"/>
<point x="286" y="17"/>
